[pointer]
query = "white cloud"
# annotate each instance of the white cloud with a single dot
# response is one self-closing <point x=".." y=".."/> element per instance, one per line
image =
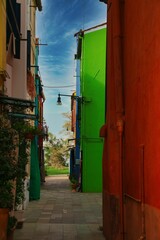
<point x="70" y="33"/>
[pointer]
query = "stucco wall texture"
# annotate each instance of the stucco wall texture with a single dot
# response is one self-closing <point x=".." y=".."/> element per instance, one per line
<point x="131" y="179"/>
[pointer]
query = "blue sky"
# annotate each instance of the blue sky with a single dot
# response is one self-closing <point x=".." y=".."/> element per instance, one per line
<point x="56" y="26"/>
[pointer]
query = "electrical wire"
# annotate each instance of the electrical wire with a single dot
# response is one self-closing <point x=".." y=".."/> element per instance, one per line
<point x="54" y="87"/>
<point x="67" y="86"/>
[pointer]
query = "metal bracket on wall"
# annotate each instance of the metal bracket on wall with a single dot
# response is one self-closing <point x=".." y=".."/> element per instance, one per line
<point x="16" y="101"/>
<point x="86" y="100"/>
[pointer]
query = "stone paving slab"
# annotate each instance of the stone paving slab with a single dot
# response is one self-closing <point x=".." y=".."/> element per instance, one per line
<point x="61" y="214"/>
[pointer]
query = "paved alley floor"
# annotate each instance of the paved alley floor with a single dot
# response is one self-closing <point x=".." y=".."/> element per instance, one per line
<point x="61" y="214"/>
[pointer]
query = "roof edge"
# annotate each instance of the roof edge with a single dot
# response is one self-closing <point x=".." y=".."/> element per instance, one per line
<point x="81" y="32"/>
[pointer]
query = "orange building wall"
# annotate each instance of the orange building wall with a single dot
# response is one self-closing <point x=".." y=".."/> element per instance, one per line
<point x="131" y="195"/>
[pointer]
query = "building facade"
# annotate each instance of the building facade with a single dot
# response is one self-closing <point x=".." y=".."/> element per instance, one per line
<point x="18" y="70"/>
<point x="92" y="92"/>
<point x="131" y="206"/>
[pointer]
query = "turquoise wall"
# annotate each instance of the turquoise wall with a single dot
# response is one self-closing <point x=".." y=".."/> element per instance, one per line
<point x="35" y="181"/>
<point x="93" y="64"/>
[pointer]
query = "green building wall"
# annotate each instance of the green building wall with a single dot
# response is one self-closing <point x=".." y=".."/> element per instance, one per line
<point x="93" y="75"/>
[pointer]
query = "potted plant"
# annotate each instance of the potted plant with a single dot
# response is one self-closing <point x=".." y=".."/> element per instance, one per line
<point x="20" y="180"/>
<point x="6" y="204"/>
<point x="8" y="168"/>
<point x="12" y="222"/>
<point x="6" y="195"/>
<point x="74" y="183"/>
<point x="21" y="126"/>
<point x="27" y="130"/>
<point x="13" y="159"/>
<point x="19" y="198"/>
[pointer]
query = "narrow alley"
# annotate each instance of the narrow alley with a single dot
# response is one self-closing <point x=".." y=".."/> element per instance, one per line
<point x="61" y="214"/>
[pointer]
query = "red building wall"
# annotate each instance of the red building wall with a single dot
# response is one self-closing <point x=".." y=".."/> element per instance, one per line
<point x="131" y="160"/>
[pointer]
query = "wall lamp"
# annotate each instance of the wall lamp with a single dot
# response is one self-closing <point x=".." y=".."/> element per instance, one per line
<point x="59" y="102"/>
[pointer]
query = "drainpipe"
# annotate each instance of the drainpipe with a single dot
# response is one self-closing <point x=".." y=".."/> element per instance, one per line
<point x="118" y="64"/>
<point x="120" y="129"/>
<point x="143" y="234"/>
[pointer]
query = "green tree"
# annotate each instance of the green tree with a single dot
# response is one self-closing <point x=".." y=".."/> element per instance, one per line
<point x="56" y="152"/>
<point x="66" y="128"/>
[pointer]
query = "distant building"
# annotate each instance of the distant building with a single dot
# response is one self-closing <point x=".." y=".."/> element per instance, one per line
<point x="91" y="50"/>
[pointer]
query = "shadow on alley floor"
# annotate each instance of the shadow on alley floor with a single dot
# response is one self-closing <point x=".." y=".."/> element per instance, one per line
<point x="61" y="214"/>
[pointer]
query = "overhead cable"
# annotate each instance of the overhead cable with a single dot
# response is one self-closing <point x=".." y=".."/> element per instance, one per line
<point x="67" y="86"/>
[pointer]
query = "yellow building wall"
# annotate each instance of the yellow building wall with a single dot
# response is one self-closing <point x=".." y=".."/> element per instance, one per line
<point x="3" y="34"/>
<point x="2" y="41"/>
